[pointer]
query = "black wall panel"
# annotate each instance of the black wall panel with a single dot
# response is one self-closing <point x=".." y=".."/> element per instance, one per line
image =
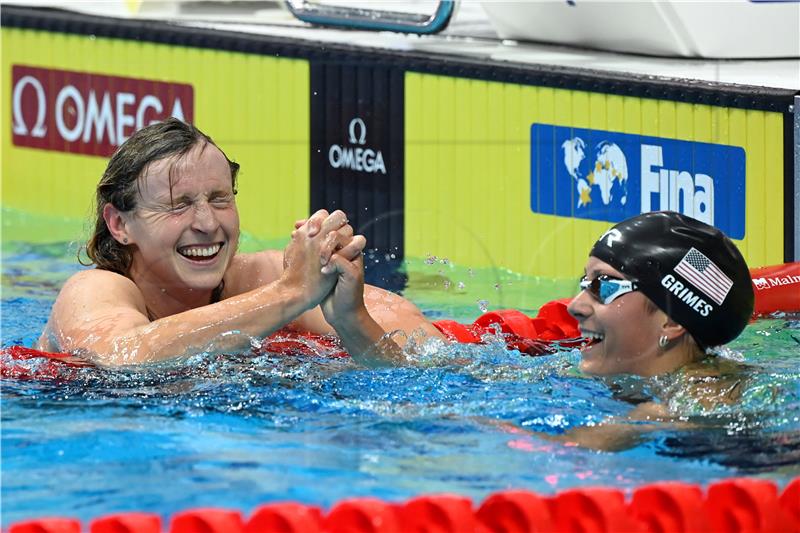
<point x="357" y="148"/>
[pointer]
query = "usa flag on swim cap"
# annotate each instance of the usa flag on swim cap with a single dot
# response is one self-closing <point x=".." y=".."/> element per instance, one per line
<point x="701" y="272"/>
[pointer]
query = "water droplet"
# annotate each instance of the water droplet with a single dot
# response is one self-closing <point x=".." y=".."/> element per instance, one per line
<point x="483" y="305"/>
<point x="461" y="285"/>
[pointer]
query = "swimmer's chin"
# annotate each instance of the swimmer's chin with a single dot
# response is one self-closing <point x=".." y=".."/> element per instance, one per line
<point x="592" y="359"/>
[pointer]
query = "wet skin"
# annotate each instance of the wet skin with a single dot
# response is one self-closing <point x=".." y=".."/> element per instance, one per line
<point x="626" y="330"/>
<point x="182" y="236"/>
<point x="171" y="232"/>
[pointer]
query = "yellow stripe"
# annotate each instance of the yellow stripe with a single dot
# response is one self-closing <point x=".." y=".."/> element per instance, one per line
<point x="255" y="107"/>
<point x="468" y="172"/>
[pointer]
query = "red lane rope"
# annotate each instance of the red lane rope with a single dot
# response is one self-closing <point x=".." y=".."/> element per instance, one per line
<point x="777" y="289"/>
<point x="734" y="505"/>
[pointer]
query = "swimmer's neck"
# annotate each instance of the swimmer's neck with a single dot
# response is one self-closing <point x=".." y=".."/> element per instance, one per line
<point x="163" y="301"/>
<point x="669" y="361"/>
<point x="656" y="362"/>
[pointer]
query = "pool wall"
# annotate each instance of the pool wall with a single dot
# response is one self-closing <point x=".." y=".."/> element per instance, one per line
<point x="487" y="163"/>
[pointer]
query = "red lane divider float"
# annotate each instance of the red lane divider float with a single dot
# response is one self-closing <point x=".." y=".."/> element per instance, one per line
<point x="670" y="507"/>
<point x="730" y="506"/>
<point x="127" y="523"/>
<point x="790" y="501"/>
<point x="285" y="517"/>
<point x="777" y="289"/>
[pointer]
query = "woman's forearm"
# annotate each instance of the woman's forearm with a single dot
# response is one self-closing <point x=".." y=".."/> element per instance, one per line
<point x="367" y="342"/>
<point x="226" y="326"/>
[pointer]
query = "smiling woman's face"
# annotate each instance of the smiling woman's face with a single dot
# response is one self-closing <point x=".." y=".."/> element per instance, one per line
<point x="184" y="230"/>
<point x="626" y="331"/>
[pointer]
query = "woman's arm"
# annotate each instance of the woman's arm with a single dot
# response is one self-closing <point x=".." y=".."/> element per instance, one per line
<point x="613" y="434"/>
<point x="103" y="315"/>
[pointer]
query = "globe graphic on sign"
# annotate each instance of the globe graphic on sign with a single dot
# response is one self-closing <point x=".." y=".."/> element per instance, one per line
<point x="605" y="181"/>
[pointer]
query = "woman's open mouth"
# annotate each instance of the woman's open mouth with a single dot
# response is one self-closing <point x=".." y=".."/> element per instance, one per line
<point x="200" y="253"/>
<point x="592" y="339"/>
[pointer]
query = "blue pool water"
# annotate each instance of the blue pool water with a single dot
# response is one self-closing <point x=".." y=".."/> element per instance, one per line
<point x="239" y="431"/>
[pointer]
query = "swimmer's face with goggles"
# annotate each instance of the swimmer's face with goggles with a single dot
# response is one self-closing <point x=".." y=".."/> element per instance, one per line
<point x="622" y="329"/>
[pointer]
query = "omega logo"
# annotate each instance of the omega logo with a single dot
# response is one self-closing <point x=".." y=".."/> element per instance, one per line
<point x="89" y="113"/>
<point x="354" y="157"/>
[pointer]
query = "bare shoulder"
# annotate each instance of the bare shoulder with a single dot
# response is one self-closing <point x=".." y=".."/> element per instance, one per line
<point x="87" y="300"/>
<point x="99" y="286"/>
<point x="253" y="270"/>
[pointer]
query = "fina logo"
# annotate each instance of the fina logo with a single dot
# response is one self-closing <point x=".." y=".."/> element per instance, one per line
<point x="355" y="157"/>
<point x="610" y="176"/>
<point x="676" y="190"/>
<point x="697" y="190"/>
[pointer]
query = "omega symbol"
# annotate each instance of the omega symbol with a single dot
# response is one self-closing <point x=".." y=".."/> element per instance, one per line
<point x="361" y="139"/>
<point x="20" y="128"/>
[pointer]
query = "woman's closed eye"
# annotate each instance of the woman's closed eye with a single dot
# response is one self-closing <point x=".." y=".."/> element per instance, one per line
<point x="179" y="206"/>
<point x="222" y="200"/>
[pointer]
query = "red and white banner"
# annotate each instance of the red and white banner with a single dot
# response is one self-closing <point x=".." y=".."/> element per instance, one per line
<point x="89" y="113"/>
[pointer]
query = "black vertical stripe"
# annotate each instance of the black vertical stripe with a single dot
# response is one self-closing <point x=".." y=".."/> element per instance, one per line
<point x="342" y="92"/>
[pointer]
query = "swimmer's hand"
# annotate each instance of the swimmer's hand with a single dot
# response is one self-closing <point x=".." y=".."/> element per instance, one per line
<point x="344" y="309"/>
<point x="341" y="241"/>
<point x="309" y="251"/>
<point x="346" y="301"/>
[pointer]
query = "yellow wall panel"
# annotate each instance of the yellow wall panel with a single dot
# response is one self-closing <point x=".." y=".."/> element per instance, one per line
<point x="254" y="106"/>
<point x="470" y="201"/>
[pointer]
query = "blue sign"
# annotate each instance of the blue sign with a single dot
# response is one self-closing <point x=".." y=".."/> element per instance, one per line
<point x="603" y="175"/>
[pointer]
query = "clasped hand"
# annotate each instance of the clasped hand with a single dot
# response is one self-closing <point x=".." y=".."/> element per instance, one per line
<point x="325" y="259"/>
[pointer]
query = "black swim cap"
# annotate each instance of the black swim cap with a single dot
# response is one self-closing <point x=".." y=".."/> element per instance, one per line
<point x="690" y="270"/>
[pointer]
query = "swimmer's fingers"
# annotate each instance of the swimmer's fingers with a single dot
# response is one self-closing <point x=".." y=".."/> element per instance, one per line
<point x="346" y="234"/>
<point x="313" y="224"/>
<point x="349" y="272"/>
<point x="299" y="224"/>
<point x="352" y="249"/>
<point x="334" y="222"/>
<point x="335" y="242"/>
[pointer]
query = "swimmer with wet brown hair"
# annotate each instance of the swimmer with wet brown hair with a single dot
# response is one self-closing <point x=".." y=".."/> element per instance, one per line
<point x="169" y="280"/>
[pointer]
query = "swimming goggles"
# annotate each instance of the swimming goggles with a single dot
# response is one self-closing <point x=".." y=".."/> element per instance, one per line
<point x="607" y="289"/>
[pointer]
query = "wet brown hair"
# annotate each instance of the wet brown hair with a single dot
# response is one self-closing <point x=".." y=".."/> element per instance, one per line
<point x="120" y="183"/>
